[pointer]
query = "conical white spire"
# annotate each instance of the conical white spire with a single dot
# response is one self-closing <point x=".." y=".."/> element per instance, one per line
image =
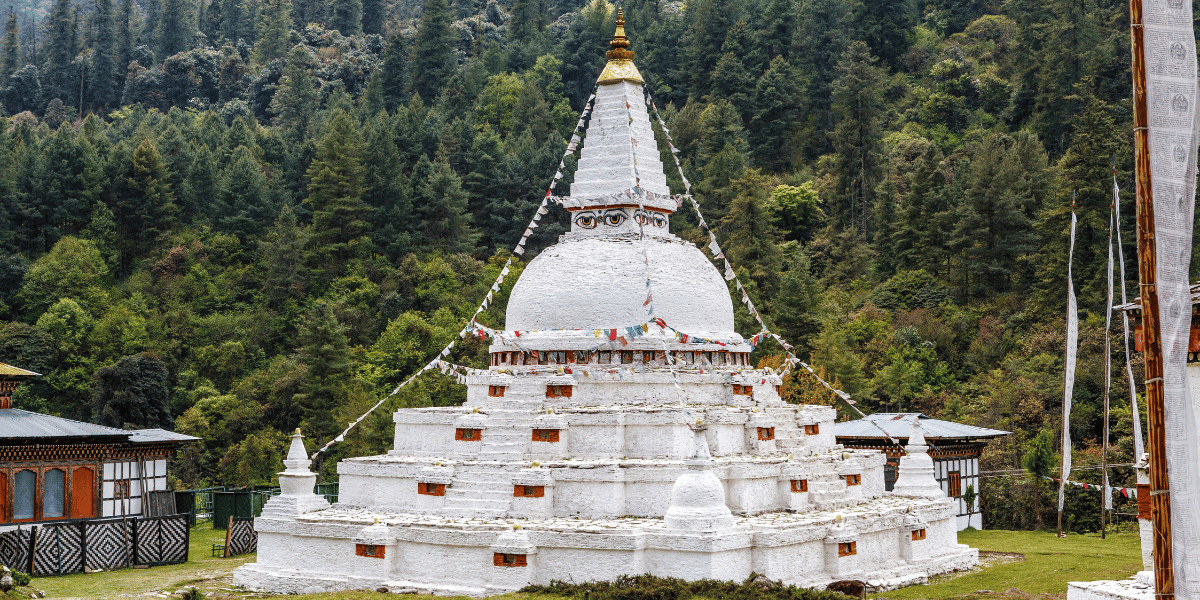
<point x="915" y="476"/>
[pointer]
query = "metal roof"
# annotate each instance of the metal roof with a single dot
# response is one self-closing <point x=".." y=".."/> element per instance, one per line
<point x="25" y="426"/>
<point x="899" y="425"/>
<point x="22" y="424"/>
<point x="159" y="435"/>
<point x="11" y="370"/>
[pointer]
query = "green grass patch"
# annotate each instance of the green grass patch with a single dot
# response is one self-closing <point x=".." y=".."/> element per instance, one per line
<point x="1050" y="562"/>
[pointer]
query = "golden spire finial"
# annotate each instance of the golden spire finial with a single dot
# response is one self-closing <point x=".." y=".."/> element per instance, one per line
<point x="620" y="58"/>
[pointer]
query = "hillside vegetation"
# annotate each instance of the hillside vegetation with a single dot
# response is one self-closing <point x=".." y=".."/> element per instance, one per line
<point x="237" y="217"/>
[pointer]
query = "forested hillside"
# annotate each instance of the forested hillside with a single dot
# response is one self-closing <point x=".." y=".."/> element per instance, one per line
<point x="237" y="217"/>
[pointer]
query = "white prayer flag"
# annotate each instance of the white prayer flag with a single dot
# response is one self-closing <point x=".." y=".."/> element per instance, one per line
<point x="1069" y="377"/>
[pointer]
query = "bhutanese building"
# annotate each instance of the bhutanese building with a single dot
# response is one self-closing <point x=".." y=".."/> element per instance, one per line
<point x="56" y="469"/>
<point x="954" y="448"/>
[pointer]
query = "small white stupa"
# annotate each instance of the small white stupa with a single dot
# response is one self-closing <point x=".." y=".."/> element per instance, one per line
<point x="577" y="455"/>
<point x="296" y="484"/>
<point x="915" y="476"/>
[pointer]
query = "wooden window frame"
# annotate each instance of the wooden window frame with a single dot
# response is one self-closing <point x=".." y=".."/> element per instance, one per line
<point x="766" y="434"/>
<point x="918" y="534"/>
<point x="847" y="549"/>
<point x="529" y="491"/>
<point x="37" y="501"/>
<point x="559" y="391"/>
<point x="799" y="485"/>
<point x="743" y="390"/>
<point x="854" y="479"/>
<point x="954" y="484"/>
<point x="496" y="391"/>
<point x="467" y="434"/>
<point x="545" y="435"/>
<point x="425" y="488"/>
<point x="813" y="429"/>
<point x="370" y="550"/>
<point x="66" y="493"/>
<point x="501" y="559"/>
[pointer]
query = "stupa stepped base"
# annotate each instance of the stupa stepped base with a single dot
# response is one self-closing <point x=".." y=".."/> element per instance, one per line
<point x="604" y="488"/>
<point x="1138" y="587"/>
<point x="347" y="548"/>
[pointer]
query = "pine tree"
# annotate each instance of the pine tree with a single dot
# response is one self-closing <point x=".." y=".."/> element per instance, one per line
<point x="773" y="128"/>
<point x="104" y="57"/>
<point x="199" y="188"/>
<point x="282" y="257"/>
<point x="820" y="42"/>
<point x="713" y="21"/>
<point x="11" y="50"/>
<point x="325" y="351"/>
<point x="61" y="45"/>
<point x="347" y="17"/>
<point x="274" y="32"/>
<point x="886" y="27"/>
<point x="295" y="98"/>
<point x="393" y="73"/>
<point x="730" y="80"/>
<point x="753" y="239"/>
<point x="144" y="202"/>
<point x="442" y="204"/>
<point x="242" y="197"/>
<point x="856" y="139"/>
<point x="149" y="34"/>
<point x="124" y="42"/>
<point x="433" y="51"/>
<point x="385" y="189"/>
<point x="335" y="190"/>
<point x="1039" y="461"/>
<point x="528" y="19"/>
<point x="1008" y="184"/>
<point x="373" y="13"/>
<point x="174" y="28"/>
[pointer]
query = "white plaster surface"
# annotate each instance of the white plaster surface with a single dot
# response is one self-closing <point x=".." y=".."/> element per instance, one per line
<point x="601" y="283"/>
<point x="628" y="488"/>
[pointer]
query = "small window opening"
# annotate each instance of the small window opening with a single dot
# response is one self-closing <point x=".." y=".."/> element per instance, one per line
<point x="799" y="485"/>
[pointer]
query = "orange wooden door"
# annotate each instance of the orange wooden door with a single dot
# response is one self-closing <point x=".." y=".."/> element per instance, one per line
<point x="83" y="493"/>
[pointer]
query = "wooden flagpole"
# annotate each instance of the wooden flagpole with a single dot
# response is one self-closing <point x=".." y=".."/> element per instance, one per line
<point x="1160" y="500"/>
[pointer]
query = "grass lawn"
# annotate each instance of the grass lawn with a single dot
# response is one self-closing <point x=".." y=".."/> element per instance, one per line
<point x="1049" y="563"/>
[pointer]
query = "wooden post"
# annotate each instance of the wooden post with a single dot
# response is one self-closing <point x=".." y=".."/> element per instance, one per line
<point x="1160" y="500"/>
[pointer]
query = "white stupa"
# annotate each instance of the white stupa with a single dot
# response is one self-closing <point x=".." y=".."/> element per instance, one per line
<point x="580" y="458"/>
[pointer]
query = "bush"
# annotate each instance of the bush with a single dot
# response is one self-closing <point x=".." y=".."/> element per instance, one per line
<point x="21" y="579"/>
<point x="649" y="587"/>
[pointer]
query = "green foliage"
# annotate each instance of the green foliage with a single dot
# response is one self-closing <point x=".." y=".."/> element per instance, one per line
<point x="629" y="587"/>
<point x="21" y="578"/>
<point x="131" y="393"/>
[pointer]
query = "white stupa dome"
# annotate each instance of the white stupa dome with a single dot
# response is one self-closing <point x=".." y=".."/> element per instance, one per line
<point x="600" y="282"/>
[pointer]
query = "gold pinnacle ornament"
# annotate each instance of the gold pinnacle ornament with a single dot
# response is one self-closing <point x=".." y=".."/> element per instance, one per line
<point x="620" y="59"/>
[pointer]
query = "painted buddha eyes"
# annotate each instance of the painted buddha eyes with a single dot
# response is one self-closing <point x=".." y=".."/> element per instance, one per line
<point x="586" y="220"/>
<point x="647" y="218"/>
<point x="615" y="217"/>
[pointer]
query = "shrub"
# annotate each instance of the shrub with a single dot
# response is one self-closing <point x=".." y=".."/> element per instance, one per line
<point x="649" y="587"/>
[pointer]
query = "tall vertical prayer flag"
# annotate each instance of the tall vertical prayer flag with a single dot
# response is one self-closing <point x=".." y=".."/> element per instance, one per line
<point x="1169" y="47"/>
<point x="1069" y="377"/>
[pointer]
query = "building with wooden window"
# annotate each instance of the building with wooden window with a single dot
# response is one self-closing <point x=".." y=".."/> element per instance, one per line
<point x="53" y="468"/>
<point x="954" y="448"/>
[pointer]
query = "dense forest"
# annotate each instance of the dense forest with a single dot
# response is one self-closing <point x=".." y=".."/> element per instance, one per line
<point x="236" y="217"/>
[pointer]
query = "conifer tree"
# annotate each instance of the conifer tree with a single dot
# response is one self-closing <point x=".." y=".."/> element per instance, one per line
<point x="753" y="239"/>
<point x="393" y="73"/>
<point x="124" y="45"/>
<point x="104" y="57"/>
<point x="347" y="17"/>
<point x="886" y="27"/>
<point x="335" y="190"/>
<point x="174" y="28"/>
<point x="442" y="204"/>
<point x="433" y="51"/>
<point x="325" y="351"/>
<point x="295" y="98"/>
<point x="149" y="34"/>
<point x="385" y="189"/>
<point x="200" y="187"/>
<point x="60" y="42"/>
<point x="773" y="127"/>
<point x="282" y="258"/>
<point x="528" y="19"/>
<point x="820" y="41"/>
<point x="145" y="204"/>
<point x="242" y="197"/>
<point x="373" y="12"/>
<point x="859" y="103"/>
<point x="274" y="31"/>
<point x="11" y="50"/>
